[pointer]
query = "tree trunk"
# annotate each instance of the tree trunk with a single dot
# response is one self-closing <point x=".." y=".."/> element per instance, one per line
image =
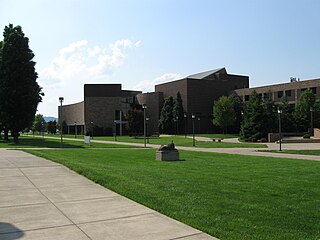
<point x="6" y="134"/>
<point x="15" y="135"/>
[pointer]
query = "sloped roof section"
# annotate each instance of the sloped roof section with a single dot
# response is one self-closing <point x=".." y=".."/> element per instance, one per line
<point x="203" y="75"/>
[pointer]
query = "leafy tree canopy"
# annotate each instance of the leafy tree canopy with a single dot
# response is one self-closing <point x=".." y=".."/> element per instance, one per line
<point x="224" y="114"/>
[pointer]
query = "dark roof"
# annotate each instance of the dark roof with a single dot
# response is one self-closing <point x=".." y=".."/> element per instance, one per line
<point x="207" y="73"/>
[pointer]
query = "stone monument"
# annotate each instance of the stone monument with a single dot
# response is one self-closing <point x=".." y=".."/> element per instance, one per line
<point x="167" y="153"/>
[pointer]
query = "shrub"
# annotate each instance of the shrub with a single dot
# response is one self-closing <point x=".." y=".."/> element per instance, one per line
<point x="307" y="135"/>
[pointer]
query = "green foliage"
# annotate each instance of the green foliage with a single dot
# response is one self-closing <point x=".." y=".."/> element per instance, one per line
<point x="302" y="113"/>
<point x="52" y="127"/>
<point x="270" y="121"/>
<point x="178" y="112"/>
<point x="166" y="116"/>
<point x="135" y="121"/>
<point x="19" y="90"/>
<point x="307" y="136"/>
<point x="253" y="127"/>
<point x="39" y="123"/>
<point x="287" y="119"/>
<point x="224" y="114"/>
<point x="238" y="109"/>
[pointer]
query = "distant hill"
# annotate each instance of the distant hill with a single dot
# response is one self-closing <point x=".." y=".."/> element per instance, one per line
<point x="48" y="119"/>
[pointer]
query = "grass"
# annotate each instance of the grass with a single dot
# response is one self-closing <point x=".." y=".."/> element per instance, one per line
<point x="181" y="141"/>
<point x="224" y="136"/>
<point x="36" y="142"/>
<point x="227" y="196"/>
<point x="302" y="152"/>
<point x="178" y="141"/>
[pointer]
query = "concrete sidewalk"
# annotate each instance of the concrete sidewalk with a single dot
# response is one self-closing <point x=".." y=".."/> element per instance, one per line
<point x="40" y="199"/>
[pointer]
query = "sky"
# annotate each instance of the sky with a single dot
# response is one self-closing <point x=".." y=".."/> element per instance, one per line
<point x="140" y="43"/>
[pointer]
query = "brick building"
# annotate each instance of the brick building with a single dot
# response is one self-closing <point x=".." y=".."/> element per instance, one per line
<point x="103" y="103"/>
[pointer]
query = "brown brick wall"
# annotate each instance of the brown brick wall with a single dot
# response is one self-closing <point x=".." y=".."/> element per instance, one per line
<point x="72" y="113"/>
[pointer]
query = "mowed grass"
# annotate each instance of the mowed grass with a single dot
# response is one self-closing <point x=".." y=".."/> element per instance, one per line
<point x="227" y="196"/>
<point x="37" y="142"/>
<point x="302" y="152"/>
<point x="182" y="141"/>
<point x="224" y="136"/>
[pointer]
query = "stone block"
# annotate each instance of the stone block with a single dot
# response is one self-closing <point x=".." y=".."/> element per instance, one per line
<point x="167" y="155"/>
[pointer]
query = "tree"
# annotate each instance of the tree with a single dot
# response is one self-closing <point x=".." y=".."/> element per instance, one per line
<point x="302" y="113"/>
<point x="270" y="120"/>
<point x="19" y="90"/>
<point x="166" y="116"/>
<point x="224" y="115"/>
<point x="39" y="123"/>
<point x="238" y="109"/>
<point x="287" y="119"/>
<point x="52" y="127"/>
<point x="135" y="121"/>
<point x="253" y="126"/>
<point x="178" y="111"/>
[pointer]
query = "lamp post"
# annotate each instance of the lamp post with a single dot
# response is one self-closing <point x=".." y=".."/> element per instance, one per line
<point x="92" y="129"/>
<point x="144" y="106"/>
<point x="147" y="120"/>
<point x="115" y="130"/>
<point x="177" y="127"/>
<point x="193" y="139"/>
<point x="185" y="125"/>
<point x="311" y="124"/>
<point x="61" y="100"/>
<point x="75" y="129"/>
<point x="280" y="137"/>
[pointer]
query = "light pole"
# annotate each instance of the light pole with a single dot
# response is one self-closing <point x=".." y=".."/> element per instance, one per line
<point x="75" y="129"/>
<point x="311" y="124"/>
<point x="279" y="115"/>
<point x="177" y="123"/>
<point x="147" y="120"/>
<point x="185" y="125"/>
<point x="61" y="100"/>
<point x="92" y="129"/>
<point x="193" y="139"/>
<point x="199" y="125"/>
<point x="144" y="106"/>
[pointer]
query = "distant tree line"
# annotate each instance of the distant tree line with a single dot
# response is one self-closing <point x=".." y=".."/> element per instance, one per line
<point x="20" y="93"/>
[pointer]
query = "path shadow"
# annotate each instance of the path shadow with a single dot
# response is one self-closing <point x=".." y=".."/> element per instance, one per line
<point x="10" y="232"/>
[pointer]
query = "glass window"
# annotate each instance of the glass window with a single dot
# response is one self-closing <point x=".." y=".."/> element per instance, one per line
<point x="280" y="94"/>
<point x="288" y="93"/>
<point x="314" y="90"/>
<point x="246" y="97"/>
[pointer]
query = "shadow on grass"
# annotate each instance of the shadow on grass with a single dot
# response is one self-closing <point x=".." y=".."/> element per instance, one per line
<point x="38" y="143"/>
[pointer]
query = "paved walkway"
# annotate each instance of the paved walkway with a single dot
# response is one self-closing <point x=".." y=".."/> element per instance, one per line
<point x="40" y="199"/>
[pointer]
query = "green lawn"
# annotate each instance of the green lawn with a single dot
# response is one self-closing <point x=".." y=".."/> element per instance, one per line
<point x="181" y="141"/>
<point x="302" y="152"/>
<point x="227" y="196"/>
<point x="36" y="142"/>
<point x="224" y="136"/>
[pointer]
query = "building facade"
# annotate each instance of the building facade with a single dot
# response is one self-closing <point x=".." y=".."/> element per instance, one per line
<point x="103" y="108"/>
<point x="106" y="105"/>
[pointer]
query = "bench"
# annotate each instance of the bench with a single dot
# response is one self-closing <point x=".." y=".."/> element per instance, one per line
<point x="217" y="139"/>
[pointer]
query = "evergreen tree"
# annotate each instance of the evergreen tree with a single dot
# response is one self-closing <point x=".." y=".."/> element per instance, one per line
<point x="166" y="116"/>
<point x="270" y="121"/>
<point x="178" y="112"/>
<point x="253" y="126"/>
<point x="224" y="115"/>
<point x="19" y="90"/>
<point x="302" y="114"/>
<point x="52" y="127"/>
<point x="135" y="121"/>
<point x="287" y="119"/>
<point x="238" y="109"/>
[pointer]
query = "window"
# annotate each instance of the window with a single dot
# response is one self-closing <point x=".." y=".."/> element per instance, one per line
<point x="280" y="94"/>
<point x="267" y="95"/>
<point x="288" y="93"/>
<point x="303" y="89"/>
<point x="246" y="98"/>
<point x="314" y="90"/>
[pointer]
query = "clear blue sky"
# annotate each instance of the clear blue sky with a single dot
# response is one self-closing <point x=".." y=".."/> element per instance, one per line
<point x="142" y="42"/>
